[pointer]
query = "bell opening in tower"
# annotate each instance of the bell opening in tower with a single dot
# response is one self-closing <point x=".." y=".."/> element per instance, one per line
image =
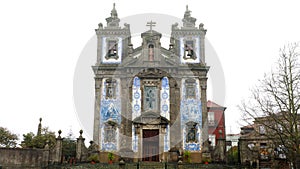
<point x="151" y="52"/>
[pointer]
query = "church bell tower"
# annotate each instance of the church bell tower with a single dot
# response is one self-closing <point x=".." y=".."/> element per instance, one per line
<point x="112" y="46"/>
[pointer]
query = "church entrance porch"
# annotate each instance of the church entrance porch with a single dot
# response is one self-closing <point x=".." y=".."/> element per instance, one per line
<point x="151" y="145"/>
<point x="150" y="130"/>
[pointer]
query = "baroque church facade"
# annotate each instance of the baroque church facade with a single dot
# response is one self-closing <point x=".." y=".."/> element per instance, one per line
<point x="149" y="100"/>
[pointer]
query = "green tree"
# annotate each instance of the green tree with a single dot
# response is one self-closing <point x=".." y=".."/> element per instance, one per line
<point x="69" y="146"/>
<point x="232" y="155"/>
<point x="7" y="139"/>
<point x="275" y="103"/>
<point x="39" y="141"/>
<point x="27" y="140"/>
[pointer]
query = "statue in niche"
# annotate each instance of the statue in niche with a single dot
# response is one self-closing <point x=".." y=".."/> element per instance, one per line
<point x="191" y="132"/>
<point x="191" y="136"/>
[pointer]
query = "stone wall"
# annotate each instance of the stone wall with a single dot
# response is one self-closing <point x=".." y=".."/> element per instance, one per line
<point x="147" y="165"/>
<point x="23" y="158"/>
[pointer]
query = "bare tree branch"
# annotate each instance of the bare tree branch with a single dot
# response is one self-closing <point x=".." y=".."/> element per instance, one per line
<point x="275" y="102"/>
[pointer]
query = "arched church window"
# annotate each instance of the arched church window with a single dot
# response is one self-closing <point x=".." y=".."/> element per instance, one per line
<point x="151" y="52"/>
<point x="111" y="88"/>
<point x="189" y="50"/>
<point x="112" y="52"/>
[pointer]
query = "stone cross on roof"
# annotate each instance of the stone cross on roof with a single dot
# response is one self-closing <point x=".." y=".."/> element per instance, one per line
<point x="151" y="24"/>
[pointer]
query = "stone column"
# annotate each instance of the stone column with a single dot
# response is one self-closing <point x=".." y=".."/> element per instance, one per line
<point x="220" y="153"/>
<point x="46" y="155"/>
<point x="161" y="137"/>
<point x="57" y="159"/>
<point x="81" y="150"/>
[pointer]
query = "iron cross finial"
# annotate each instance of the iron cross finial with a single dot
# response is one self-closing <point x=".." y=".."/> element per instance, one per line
<point x="151" y="24"/>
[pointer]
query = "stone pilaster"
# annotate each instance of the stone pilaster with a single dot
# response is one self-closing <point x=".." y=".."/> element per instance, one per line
<point x="126" y="116"/>
<point x="203" y="86"/>
<point x="96" y="133"/>
<point x="175" y="121"/>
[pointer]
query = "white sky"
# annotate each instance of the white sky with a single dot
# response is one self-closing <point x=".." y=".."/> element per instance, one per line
<point x="41" y="42"/>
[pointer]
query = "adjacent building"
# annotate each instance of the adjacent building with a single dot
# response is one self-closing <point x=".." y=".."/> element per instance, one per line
<point x="216" y="122"/>
<point x="216" y="130"/>
<point x="258" y="148"/>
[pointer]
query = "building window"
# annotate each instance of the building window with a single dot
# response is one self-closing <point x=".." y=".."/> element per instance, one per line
<point x="150" y="98"/>
<point x="110" y="88"/>
<point x="211" y="118"/>
<point x="112" y="52"/>
<point x="212" y="139"/>
<point x="264" y="154"/>
<point x="251" y="146"/>
<point x="280" y="152"/>
<point x="189" y="50"/>
<point x="262" y="130"/>
<point x="280" y="128"/>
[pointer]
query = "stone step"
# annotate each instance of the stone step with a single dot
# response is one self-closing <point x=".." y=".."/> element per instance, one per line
<point x="152" y="165"/>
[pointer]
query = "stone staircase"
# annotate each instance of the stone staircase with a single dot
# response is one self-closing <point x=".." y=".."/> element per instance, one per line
<point x="152" y="165"/>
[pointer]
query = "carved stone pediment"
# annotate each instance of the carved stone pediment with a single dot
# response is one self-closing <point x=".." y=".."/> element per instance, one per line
<point x="151" y="117"/>
<point x="162" y="58"/>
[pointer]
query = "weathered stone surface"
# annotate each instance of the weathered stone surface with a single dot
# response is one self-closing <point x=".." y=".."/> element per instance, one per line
<point x="23" y="158"/>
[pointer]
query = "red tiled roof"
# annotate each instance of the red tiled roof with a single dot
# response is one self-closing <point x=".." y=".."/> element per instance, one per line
<point x="213" y="104"/>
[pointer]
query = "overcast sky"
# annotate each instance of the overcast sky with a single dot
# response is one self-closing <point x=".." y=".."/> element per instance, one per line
<point x="41" y="42"/>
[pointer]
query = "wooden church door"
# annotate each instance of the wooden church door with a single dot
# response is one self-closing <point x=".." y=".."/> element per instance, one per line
<point x="151" y="145"/>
